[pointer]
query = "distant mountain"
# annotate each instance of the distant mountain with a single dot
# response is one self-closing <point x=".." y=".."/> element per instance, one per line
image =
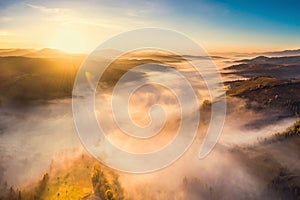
<point x="32" y="53"/>
<point x="286" y="60"/>
<point x="15" y="52"/>
<point x="295" y="52"/>
<point x="47" y="53"/>
<point x="283" y="53"/>
<point x="278" y="67"/>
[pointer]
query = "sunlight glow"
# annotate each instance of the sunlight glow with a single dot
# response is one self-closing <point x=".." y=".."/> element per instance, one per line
<point x="70" y="40"/>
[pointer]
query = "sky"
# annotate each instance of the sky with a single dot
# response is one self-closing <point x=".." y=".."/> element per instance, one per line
<point x="217" y="25"/>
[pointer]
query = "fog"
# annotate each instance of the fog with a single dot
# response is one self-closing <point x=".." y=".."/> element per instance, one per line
<point x="34" y="136"/>
<point x="31" y="136"/>
<point x="222" y="174"/>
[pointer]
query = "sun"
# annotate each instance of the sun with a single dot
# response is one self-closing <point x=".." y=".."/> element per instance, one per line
<point x="70" y="40"/>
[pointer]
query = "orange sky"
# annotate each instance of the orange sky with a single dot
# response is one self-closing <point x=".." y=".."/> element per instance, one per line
<point x="80" y="27"/>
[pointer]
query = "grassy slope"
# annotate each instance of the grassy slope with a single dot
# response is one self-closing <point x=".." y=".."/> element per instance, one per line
<point x="75" y="180"/>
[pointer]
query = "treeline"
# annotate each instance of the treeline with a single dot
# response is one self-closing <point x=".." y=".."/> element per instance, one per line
<point x="292" y="131"/>
<point x="9" y="193"/>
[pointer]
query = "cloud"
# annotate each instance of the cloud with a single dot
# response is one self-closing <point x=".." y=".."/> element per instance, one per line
<point x="99" y="23"/>
<point x="66" y="15"/>
<point x="48" y="10"/>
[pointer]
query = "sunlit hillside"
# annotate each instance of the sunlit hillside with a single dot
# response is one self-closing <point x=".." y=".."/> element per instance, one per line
<point x="26" y="78"/>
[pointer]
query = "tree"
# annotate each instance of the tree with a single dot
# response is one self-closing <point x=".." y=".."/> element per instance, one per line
<point x="106" y="185"/>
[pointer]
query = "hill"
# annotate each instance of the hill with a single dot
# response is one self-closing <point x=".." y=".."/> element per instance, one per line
<point x="24" y="79"/>
<point x="278" y="67"/>
<point x="268" y="92"/>
<point x="15" y="52"/>
<point x="33" y="53"/>
<point x="287" y="60"/>
<point x="50" y="53"/>
<point x="78" y="178"/>
<point x="283" y="53"/>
